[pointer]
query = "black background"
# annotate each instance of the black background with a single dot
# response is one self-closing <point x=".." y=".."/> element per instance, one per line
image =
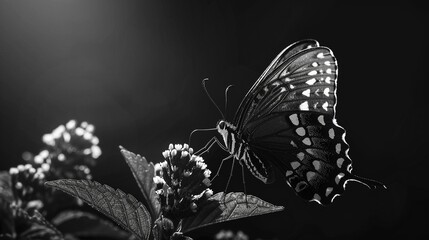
<point x="134" y="70"/>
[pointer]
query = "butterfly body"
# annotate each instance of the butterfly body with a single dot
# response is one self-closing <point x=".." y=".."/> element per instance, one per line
<point x="287" y="121"/>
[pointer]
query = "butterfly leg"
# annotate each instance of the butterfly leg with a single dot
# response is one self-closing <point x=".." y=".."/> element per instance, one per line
<point x="244" y="181"/>
<point x="229" y="179"/>
<point x="220" y="166"/>
<point x="209" y="145"/>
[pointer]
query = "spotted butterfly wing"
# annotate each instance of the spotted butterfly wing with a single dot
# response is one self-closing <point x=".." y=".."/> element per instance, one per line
<point x="288" y="120"/>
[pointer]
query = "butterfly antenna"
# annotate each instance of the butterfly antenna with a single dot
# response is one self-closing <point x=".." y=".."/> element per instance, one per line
<point x="226" y="96"/>
<point x="211" y="99"/>
<point x="199" y="130"/>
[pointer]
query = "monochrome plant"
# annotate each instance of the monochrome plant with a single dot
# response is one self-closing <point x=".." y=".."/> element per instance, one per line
<point x="176" y="197"/>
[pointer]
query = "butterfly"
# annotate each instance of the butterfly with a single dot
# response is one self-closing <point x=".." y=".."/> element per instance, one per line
<point x="287" y="121"/>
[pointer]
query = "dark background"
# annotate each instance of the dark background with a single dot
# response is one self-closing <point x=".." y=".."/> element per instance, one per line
<point x="134" y="70"/>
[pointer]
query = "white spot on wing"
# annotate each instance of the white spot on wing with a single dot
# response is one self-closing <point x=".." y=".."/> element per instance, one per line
<point x="325" y="106"/>
<point x="288" y="173"/>
<point x="338" y="177"/>
<point x="312" y="73"/>
<point x="327" y="63"/>
<point x="311" y="81"/>
<point x="326" y="92"/>
<point x="317" y="198"/>
<point x="300" y="131"/>
<point x="331" y="133"/>
<point x="294" y="119"/>
<point x="310" y="175"/>
<point x="321" y="119"/>
<point x="338" y="148"/>
<point x="328" y="71"/>
<point x="304" y="106"/>
<point x="340" y="162"/>
<point x="314" y="64"/>
<point x="300" y="156"/>
<point x="328" y="80"/>
<point x="328" y="191"/>
<point x="288" y="79"/>
<point x="306" y="141"/>
<point x="293" y="144"/>
<point x="282" y="89"/>
<point x="316" y="165"/>
<point x="306" y="93"/>
<point x="295" y="165"/>
<point x="291" y="86"/>
<point x="320" y="55"/>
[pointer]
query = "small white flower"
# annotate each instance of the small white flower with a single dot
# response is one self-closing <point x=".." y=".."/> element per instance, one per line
<point x="96" y="151"/>
<point x="184" y="154"/>
<point x="71" y="124"/>
<point x="178" y="147"/>
<point x="61" y="157"/>
<point x="87" y="135"/>
<point x="170" y="147"/>
<point x="18" y="185"/>
<point x="90" y="128"/>
<point x="207" y="173"/>
<point x="166" y="154"/>
<point x="191" y="151"/>
<point x="158" y="180"/>
<point x="208" y="193"/>
<point x="13" y="171"/>
<point x="157" y="167"/>
<point x="21" y="168"/>
<point x="38" y="159"/>
<point x="45" y="167"/>
<point x="48" y="139"/>
<point x="79" y="131"/>
<point x="66" y="136"/>
<point x="185" y="146"/>
<point x="27" y="166"/>
<point x="173" y="152"/>
<point x="44" y="153"/>
<point x="95" y="140"/>
<point x="84" y="124"/>
<point x="58" y="131"/>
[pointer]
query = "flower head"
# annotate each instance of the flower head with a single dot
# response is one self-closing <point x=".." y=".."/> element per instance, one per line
<point x="182" y="181"/>
<point x="27" y="185"/>
<point x="70" y="150"/>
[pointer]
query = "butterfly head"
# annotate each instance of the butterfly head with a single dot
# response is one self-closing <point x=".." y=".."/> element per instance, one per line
<point x="223" y="127"/>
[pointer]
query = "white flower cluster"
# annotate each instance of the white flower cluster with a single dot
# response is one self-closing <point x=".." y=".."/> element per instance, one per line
<point x="27" y="184"/>
<point x="73" y="134"/>
<point x="182" y="180"/>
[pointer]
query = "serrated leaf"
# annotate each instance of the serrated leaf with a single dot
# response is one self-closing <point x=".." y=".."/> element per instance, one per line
<point x="5" y="186"/>
<point x="7" y="224"/>
<point x="144" y="172"/>
<point x="33" y="226"/>
<point x="85" y="224"/>
<point x="122" y="208"/>
<point x="220" y="208"/>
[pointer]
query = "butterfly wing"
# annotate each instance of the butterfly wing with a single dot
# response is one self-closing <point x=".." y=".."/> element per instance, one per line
<point x="263" y="79"/>
<point x="289" y="120"/>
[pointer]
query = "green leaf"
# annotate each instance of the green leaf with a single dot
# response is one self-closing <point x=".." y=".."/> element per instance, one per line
<point x="144" y="172"/>
<point x="122" y="208"/>
<point x="85" y="224"/>
<point x="33" y="226"/>
<point x="7" y="223"/>
<point x="221" y="208"/>
<point x="5" y="186"/>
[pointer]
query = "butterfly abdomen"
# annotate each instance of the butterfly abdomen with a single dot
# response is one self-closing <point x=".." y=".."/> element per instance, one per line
<point x="240" y="150"/>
